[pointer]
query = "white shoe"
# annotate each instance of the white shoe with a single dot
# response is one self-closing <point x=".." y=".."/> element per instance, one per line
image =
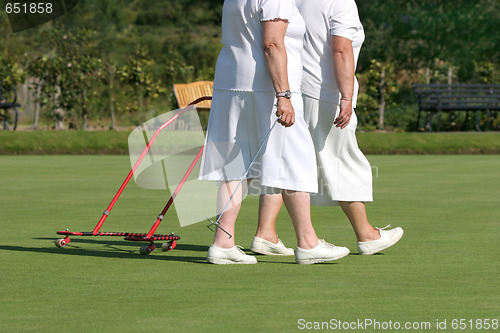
<point x="387" y="239"/>
<point x="263" y="246"/>
<point x="321" y="253"/>
<point x="233" y="255"/>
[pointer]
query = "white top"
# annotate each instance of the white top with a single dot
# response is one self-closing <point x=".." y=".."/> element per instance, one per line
<point x="241" y="64"/>
<point x="326" y="18"/>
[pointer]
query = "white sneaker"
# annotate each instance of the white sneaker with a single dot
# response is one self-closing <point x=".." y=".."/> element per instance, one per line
<point x="321" y="253"/>
<point x="387" y="239"/>
<point x="233" y="255"/>
<point x="263" y="246"/>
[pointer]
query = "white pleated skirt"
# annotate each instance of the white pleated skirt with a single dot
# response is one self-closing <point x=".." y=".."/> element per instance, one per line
<point x="344" y="173"/>
<point x="237" y="127"/>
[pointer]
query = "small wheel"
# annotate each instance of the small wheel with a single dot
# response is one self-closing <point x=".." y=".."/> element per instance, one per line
<point x="61" y="242"/>
<point x="169" y="246"/>
<point x="147" y="249"/>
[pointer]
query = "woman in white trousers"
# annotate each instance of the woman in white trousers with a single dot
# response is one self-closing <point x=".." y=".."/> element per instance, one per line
<point x="334" y="35"/>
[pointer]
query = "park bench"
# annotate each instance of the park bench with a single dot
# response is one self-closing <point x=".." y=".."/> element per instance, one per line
<point x="437" y="98"/>
<point x="185" y="93"/>
<point x="5" y="106"/>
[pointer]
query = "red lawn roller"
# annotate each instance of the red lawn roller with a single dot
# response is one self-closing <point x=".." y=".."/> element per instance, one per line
<point x="150" y="236"/>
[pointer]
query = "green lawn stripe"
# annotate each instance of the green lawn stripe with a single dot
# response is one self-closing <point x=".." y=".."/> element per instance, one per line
<point x="445" y="267"/>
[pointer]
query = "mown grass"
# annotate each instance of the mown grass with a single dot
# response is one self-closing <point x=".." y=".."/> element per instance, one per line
<point x="446" y="266"/>
<point x="115" y="142"/>
<point x="64" y="142"/>
<point x="430" y="143"/>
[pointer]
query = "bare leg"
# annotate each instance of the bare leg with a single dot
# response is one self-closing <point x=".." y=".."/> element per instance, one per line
<point x="299" y="208"/>
<point x="228" y="219"/>
<point x="356" y="213"/>
<point x="269" y="208"/>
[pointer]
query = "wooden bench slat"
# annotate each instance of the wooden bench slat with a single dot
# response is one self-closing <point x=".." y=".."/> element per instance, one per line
<point x="456" y="97"/>
<point x="472" y="97"/>
<point x="185" y="93"/>
<point x="432" y="86"/>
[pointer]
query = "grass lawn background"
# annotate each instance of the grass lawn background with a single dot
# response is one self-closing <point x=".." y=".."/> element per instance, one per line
<point x="445" y="267"/>
<point x="115" y="142"/>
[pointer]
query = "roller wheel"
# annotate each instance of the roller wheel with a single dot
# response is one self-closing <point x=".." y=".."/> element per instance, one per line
<point x="147" y="249"/>
<point x="168" y="246"/>
<point x="62" y="242"/>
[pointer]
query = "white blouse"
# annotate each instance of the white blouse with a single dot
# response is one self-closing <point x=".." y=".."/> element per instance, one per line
<point x="326" y="18"/>
<point x="241" y="64"/>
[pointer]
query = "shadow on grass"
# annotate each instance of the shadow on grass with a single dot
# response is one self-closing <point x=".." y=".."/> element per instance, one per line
<point x="276" y="259"/>
<point x="113" y="251"/>
<point x="77" y="239"/>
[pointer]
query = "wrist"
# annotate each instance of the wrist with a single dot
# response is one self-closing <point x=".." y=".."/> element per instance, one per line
<point x="285" y="94"/>
<point x="283" y="102"/>
<point x="342" y="98"/>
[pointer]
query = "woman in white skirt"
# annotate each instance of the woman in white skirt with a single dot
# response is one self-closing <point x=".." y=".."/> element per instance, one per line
<point x="256" y="81"/>
<point x="334" y="36"/>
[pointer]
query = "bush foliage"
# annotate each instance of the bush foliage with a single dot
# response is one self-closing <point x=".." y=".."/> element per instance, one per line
<point x="118" y="59"/>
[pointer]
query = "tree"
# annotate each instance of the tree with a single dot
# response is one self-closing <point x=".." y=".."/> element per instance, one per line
<point x="46" y="71"/>
<point x="136" y="74"/>
<point x="415" y="33"/>
<point x="413" y="41"/>
<point x="80" y="71"/>
<point x="378" y="86"/>
<point x="11" y="74"/>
